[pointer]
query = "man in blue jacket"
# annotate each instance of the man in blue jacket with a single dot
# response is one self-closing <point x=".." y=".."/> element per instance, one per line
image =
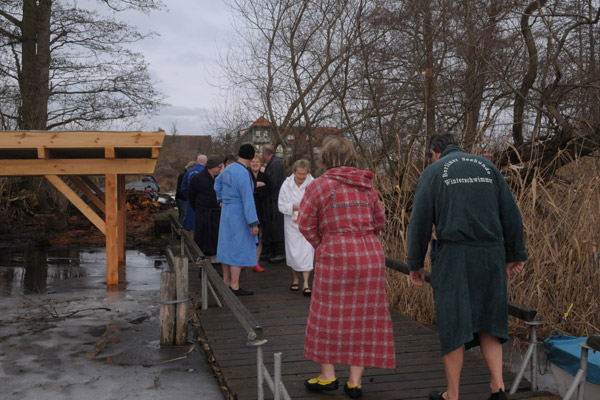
<point x="190" y="214"/>
<point x="479" y="242"/>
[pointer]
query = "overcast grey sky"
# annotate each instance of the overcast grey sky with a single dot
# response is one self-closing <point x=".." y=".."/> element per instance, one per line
<point x="183" y="59"/>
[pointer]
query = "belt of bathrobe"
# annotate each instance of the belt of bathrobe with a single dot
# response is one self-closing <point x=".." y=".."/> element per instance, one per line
<point x="367" y="233"/>
<point x="469" y="243"/>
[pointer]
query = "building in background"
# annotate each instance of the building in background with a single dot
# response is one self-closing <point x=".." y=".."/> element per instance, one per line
<point x="298" y="139"/>
<point x="261" y="132"/>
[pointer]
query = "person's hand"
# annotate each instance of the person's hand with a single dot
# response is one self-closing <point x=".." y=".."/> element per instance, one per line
<point x="296" y="207"/>
<point x="255" y="230"/>
<point x="262" y="169"/>
<point x="514" y="268"/>
<point x="417" y="277"/>
<point x="260" y="184"/>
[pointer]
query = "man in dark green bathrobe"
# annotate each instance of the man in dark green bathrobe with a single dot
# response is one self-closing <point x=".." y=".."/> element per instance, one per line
<point x="479" y="242"/>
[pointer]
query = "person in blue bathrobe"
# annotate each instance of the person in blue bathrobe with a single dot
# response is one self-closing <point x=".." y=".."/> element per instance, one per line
<point x="479" y="243"/>
<point x="239" y="222"/>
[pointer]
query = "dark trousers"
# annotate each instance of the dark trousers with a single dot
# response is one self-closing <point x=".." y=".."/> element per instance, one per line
<point x="181" y="209"/>
<point x="273" y="234"/>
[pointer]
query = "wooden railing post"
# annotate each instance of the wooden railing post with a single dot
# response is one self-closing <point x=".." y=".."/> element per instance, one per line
<point x="182" y="288"/>
<point x="167" y="308"/>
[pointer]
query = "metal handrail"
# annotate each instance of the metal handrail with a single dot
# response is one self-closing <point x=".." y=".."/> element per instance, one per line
<point x="255" y="334"/>
<point x="524" y="313"/>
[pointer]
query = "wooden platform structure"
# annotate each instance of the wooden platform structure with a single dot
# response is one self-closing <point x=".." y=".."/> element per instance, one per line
<point x="73" y="157"/>
<point x="283" y="313"/>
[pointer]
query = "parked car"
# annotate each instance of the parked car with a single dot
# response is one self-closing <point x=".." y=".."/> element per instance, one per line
<point x="146" y="184"/>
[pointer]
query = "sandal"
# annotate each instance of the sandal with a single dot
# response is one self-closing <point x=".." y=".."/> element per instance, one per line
<point x="295" y="287"/>
<point x="306" y="291"/>
<point x="354" y="392"/>
<point x="436" y="395"/>
<point x="317" y="384"/>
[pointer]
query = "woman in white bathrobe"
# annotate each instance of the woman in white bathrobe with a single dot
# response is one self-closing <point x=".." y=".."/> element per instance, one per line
<point x="299" y="254"/>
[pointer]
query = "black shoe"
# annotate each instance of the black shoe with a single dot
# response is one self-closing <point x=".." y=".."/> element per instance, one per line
<point x="242" y="292"/>
<point x="437" y="395"/>
<point x="277" y="259"/>
<point x="353" y="393"/>
<point x="316" y="384"/>
<point x="499" y="395"/>
<point x="266" y="256"/>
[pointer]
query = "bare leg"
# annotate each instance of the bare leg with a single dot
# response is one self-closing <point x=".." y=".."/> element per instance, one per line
<point x="327" y="371"/>
<point x="213" y="259"/>
<point x="492" y="353"/>
<point x="226" y="274"/>
<point x="453" y="362"/>
<point x="355" y="375"/>
<point x="296" y="278"/>
<point x="191" y="231"/>
<point x="306" y="277"/>
<point x="235" y="277"/>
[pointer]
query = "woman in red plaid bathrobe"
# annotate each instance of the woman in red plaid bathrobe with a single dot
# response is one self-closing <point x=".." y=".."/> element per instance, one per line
<point x="349" y="320"/>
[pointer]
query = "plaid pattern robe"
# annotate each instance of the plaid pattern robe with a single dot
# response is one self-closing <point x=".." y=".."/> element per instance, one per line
<point x="349" y="320"/>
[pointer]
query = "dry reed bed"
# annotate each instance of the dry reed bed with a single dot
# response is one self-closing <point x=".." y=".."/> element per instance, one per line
<point x="561" y="218"/>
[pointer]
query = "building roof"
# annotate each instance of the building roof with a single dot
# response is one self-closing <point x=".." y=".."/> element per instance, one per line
<point x="262" y="121"/>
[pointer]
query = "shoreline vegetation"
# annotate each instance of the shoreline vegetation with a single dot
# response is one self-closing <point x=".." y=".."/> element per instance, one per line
<point x="561" y="218"/>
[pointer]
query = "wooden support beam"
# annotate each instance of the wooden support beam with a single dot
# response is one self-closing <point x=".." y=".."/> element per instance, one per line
<point x="66" y="139"/>
<point x="42" y="152"/>
<point x="121" y="218"/>
<point x="109" y="152"/>
<point x="77" y="202"/>
<point x="93" y="186"/>
<point x="155" y="152"/>
<point x="32" y="167"/>
<point x="112" y="230"/>
<point x="85" y="189"/>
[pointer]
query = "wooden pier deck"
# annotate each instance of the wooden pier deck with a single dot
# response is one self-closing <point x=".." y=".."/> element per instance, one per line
<point x="282" y="313"/>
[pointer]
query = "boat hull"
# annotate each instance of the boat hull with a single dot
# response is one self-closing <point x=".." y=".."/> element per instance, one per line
<point x="563" y="382"/>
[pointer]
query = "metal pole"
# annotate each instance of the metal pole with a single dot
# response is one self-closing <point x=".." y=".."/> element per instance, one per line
<point x="259" y="373"/>
<point x="277" y="376"/>
<point x="534" y="359"/>
<point x="583" y="368"/>
<point x="212" y="290"/>
<point x="204" y="283"/>
<point x="517" y="380"/>
<point x="579" y="381"/>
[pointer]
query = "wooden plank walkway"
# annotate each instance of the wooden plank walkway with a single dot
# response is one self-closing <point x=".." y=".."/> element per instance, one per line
<point x="282" y="313"/>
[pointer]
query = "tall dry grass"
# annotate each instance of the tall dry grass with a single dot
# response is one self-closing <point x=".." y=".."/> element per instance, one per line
<point x="561" y="219"/>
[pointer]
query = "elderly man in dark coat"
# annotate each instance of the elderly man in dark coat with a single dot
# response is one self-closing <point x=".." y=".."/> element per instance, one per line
<point x="273" y="234"/>
<point x="479" y="242"/>
<point x="203" y="200"/>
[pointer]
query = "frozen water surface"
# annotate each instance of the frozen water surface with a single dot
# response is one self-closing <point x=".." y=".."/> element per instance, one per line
<point x="63" y="335"/>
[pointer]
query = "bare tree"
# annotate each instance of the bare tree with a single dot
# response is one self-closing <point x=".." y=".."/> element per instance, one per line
<point x="389" y="73"/>
<point x="64" y="66"/>
<point x="563" y="111"/>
